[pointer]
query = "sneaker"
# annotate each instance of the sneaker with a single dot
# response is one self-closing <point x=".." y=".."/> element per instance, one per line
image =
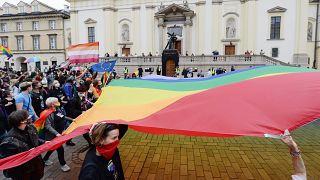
<point x="48" y="162"/>
<point x="70" y="143"/>
<point x="65" y="168"/>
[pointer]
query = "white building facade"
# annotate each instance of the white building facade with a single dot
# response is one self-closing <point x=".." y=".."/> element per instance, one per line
<point x="284" y="29"/>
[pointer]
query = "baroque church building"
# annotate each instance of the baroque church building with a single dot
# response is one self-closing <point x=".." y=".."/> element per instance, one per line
<point x="284" y="30"/>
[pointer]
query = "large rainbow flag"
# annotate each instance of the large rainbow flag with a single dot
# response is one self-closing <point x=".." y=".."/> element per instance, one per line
<point x="252" y="102"/>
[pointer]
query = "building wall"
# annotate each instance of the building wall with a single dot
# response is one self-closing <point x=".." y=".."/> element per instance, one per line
<point x="48" y="55"/>
<point x="288" y="30"/>
<point x="208" y="31"/>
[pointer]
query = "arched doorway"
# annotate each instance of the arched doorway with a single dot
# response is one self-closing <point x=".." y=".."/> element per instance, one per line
<point x="170" y="67"/>
<point x="23" y="65"/>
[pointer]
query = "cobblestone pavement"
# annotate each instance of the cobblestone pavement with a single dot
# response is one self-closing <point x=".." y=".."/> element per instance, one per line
<point x="146" y="156"/>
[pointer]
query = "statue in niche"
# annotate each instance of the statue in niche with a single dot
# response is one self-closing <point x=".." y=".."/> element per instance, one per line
<point x="309" y="31"/>
<point x="125" y="33"/>
<point x="230" y="28"/>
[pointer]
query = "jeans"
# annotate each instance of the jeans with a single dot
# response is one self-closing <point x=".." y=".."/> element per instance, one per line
<point x="60" y="152"/>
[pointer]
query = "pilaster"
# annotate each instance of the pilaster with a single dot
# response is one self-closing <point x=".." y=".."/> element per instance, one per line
<point x="136" y="48"/>
<point x="300" y="51"/>
<point x="74" y="27"/>
<point x="161" y="26"/>
<point x="110" y="41"/>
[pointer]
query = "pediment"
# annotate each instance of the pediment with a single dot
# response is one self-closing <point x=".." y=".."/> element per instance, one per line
<point x="21" y="3"/>
<point x="174" y="9"/>
<point x="90" y="21"/>
<point x="48" y="8"/>
<point x="6" y="4"/>
<point x="277" y="10"/>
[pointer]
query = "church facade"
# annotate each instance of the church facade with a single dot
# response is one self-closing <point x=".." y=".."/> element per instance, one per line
<point x="284" y="30"/>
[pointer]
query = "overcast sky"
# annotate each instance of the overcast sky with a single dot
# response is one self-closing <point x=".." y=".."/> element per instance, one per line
<point x="57" y="4"/>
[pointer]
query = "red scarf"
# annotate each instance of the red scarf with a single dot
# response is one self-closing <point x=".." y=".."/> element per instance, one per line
<point x="108" y="150"/>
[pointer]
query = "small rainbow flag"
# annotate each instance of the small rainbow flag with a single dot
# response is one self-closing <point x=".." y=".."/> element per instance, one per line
<point x="6" y="51"/>
<point x="39" y="123"/>
<point x="105" y="79"/>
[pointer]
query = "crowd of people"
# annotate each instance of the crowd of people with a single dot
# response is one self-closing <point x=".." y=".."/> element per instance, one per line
<point x="60" y="95"/>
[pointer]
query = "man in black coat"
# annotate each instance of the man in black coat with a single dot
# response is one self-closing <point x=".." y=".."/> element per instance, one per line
<point x="22" y="137"/>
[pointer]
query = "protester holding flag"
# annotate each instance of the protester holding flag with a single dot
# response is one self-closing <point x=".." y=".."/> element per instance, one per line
<point x="22" y="137"/>
<point x="78" y="104"/>
<point x="54" y="126"/>
<point x="300" y="172"/>
<point x="103" y="161"/>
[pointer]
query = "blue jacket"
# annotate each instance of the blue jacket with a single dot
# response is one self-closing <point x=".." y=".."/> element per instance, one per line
<point x="68" y="89"/>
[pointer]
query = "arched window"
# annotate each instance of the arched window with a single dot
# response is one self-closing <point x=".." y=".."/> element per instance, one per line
<point x="125" y="33"/>
<point x="310" y="31"/>
<point x="231" y="28"/>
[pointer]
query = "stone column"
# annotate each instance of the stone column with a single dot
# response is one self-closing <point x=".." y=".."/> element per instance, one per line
<point x="74" y="27"/>
<point x="216" y="26"/>
<point x="200" y="31"/>
<point x="248" y="25"/>
<point x="161" y="26"/>
<point x="251" y="26"/>
<point x="136" y="48"/>
<point x="150" y="29"/>
<point x="109" y="30"/>
<point x="188" y="24"/>
<point x="300" y="55"/>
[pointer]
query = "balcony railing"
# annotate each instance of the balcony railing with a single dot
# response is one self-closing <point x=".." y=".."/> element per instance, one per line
<point x="237" y="60"/>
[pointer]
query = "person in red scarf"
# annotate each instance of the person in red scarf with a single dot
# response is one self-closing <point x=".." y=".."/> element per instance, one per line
<point x="102" y="160"/>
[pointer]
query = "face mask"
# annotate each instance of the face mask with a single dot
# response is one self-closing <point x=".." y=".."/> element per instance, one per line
<point x="57" y="85"/>
<point x="81" y="95"/>
<point x="108" y="150"/>
<point x="57" y="104"/>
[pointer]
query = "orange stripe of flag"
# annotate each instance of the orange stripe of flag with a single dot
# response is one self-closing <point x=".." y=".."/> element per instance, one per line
<point x="87" y="46"/>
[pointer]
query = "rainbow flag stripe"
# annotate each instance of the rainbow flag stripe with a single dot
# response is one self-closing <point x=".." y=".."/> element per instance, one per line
<point x="177" y="106"/>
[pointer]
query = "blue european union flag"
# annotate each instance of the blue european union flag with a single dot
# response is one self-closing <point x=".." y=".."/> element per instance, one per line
<point x="104" y="66"/>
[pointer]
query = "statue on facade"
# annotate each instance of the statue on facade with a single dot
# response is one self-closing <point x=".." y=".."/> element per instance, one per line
<point x="172" y="40"/>
<point x="185" y="4"/>
<point x="161" y="6"/>
<point x="231" y="29"/>
<point x="125" y="33"/>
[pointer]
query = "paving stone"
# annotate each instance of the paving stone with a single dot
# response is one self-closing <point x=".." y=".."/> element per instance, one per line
<point x="184" y="170"/>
